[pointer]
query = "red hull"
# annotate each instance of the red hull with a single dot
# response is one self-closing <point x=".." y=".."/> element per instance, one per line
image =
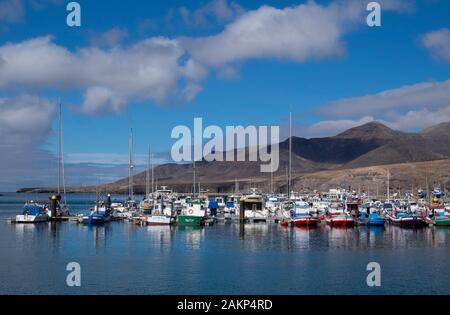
<point x="306" y="222"/>
<point x="340" y="222"/>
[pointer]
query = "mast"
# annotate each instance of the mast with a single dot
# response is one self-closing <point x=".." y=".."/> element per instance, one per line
<point x="59" y="150"/>
<point x="61" y="171"/>
<point x="153" y="174"/>
<point x="130" y="166"/>
<point x="147" y="176"/>
<point x="194" y="175"/>
<point x="290" y="156"/>
<point x="388" y="178"/>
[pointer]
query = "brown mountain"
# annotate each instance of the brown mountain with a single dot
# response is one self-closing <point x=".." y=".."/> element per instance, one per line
<point x="370" y="145"/>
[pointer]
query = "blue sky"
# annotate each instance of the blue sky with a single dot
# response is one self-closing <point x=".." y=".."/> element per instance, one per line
<point x="338" y="63"/>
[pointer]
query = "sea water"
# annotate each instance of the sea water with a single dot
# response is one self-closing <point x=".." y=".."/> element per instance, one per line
<point x="122" y="258"/>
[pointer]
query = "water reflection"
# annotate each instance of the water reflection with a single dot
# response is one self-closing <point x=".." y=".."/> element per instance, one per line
<point x="192" y="236"/>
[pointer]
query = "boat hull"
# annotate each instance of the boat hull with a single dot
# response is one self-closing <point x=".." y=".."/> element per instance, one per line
<point x="95" y="220"/>
<point x="438" y="222"/>
<point x="372" y="222"/>
<point x="306" y="222"/>
<point x="340" y="221"/>
<point x="31" y="219"/>
<point x="408" y="222"/>
<point x="187" y="220"/>
<point x="159" y="220"/>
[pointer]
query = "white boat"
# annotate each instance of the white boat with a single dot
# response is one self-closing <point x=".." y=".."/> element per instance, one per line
<point x="33" y="213"/>
<point x="254" y="206"/>
<point x="159" y="220"/>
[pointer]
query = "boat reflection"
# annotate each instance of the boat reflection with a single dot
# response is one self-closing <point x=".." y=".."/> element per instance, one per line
<point x="192" y="235"/>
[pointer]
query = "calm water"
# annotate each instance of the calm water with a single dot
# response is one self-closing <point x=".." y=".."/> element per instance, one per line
<point x="121" y="258"/>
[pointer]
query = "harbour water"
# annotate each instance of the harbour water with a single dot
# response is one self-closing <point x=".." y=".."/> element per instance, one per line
<point x="122" y="258"/>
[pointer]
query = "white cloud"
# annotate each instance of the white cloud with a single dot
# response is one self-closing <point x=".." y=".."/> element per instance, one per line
<point x="148" y="70"/>
<point x="110" y="38"/>
<point x="327" y="128"/>
<point x="409" y="97"/>
<point x="438" y="44"/>
<point x="307" y="31"/>
<point x="419" y="119"/>
<point x="25" y="126"/>
<point x="24" y="120"/>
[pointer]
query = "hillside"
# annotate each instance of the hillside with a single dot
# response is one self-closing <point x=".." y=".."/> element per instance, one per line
<point x="363" y="151"/>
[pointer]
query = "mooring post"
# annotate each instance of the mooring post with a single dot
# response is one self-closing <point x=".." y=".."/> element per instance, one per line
<point x="242" y="216"/>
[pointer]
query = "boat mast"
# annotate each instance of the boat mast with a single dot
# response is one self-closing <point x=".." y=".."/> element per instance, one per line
<point x="388" y="178"/>
<point x="147" y="176"/>
<point x="153" y="174"/>
<point x="130" y="166"/>
<point x="61" y="171"/>
<point x="194" y="176"/>
<point x="290" y="156"/>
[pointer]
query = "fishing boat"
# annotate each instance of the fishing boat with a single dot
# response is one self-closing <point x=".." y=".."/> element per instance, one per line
<point x="402" y="218"/>
<point x="336" y="216"/>
<point x="438" y="217"/>
<point x="338" y="220"/>
<point x="193" y="213"/>
<point x="369" y="216"/>
<point x="436" y="213"/>
<point x="253" y="207"/>
<point x="300" y="216"/>
<point x="406" y="220"/>
<point x="161" y="214"/>
<point x="372" y="219"/>
<point x="98" y="216"/>
<point x="33" y="213"/>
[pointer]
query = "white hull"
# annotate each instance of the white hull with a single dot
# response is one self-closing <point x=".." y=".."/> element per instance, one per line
<point x="259" y="214"/>
<point x="159" y="220"/>
<point x="24" y="218"/>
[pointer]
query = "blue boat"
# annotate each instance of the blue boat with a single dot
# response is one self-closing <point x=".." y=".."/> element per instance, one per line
<point x="373" y="219"/>
<point x="97" y="217"/>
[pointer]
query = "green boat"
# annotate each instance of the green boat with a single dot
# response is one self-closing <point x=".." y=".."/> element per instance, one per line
<point x="193" y="213"/>
<point x="439" y="221"/>
<point x="440" y="217"/>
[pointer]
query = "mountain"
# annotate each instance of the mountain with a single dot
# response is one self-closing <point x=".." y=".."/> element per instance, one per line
<point x="344" y="147"/>
<point x="315" y="160"/>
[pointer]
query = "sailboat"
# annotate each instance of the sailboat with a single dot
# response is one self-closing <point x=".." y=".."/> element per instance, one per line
<point x="58" y="209"/>
<point x="160" y="215"/>
<point x="147" y="204"/>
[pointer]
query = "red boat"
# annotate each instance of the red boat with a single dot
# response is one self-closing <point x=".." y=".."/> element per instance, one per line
<point x="306" y="221"/>
<point x="340" y="220"/>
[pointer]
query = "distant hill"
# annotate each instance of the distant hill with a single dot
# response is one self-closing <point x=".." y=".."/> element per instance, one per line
<point x="369" y="145"/>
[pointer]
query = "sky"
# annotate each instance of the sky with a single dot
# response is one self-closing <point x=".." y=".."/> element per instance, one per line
<point x="153" y="65"/>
